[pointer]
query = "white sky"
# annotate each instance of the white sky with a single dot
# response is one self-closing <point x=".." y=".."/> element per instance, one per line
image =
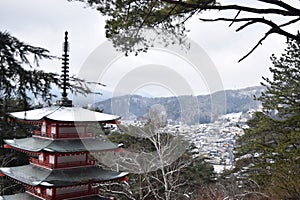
<point x="43" y="23"/>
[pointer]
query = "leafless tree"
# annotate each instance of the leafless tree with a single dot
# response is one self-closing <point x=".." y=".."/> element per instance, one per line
<point x="157" y="170"/>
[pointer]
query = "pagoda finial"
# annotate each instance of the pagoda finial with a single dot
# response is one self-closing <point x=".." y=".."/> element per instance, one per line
<point x="65" y="73"/>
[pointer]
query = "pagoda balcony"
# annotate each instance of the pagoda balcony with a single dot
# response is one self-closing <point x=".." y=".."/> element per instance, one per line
<point x="63" y="135"/>
<point x="61" y="165"/>
<point x="77" y="194"/>
<point x="75" y="135"/>
<point x="43" y="195"/>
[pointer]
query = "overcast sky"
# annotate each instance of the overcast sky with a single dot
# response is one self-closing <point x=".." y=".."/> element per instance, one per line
<point x="43" y="23"/>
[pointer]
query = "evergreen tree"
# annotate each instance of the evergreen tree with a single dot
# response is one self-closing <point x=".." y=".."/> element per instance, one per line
<point x="127" y="19"/>
<point x="274" y="134"/>
<point x="18" y="69"/>
<point x="20" y="77"/>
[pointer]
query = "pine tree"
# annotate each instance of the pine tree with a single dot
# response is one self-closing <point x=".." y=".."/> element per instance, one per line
<point x="127" y="20"/>
<point x="20" y="77"/>
<point x="274" y="133"/>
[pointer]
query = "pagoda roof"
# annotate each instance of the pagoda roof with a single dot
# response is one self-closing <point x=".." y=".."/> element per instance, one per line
<point x="26" y="196"/>
<point x="38" y="176"/>
<point x="35" y="144"/>
<point x="64" y="114"/>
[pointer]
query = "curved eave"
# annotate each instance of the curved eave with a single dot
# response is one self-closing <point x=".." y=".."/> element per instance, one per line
<point x="69" y="177"/>
<point x="28" y="174"/>
<point x="114" y="121"/>
<point x="34" y="145"/>
<point x="65" y="114"/>
<point x="84" y="145"/>
<point x="34" y="115"/>
<point x="34" y="176"/>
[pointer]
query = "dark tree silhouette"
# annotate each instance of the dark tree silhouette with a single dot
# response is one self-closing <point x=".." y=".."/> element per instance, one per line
<point x="273" y="134"/>
<point x="126" y="19"/>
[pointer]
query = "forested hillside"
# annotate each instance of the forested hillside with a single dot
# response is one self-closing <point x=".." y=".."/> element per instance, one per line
<point x="241" y="100"/>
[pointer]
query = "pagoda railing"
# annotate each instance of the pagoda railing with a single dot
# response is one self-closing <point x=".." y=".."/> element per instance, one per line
<point x="75" y="135"/>
<point x="77" y="194"/>
<point x="61" y="196"/>
<point x="63" y="135"/>
<point x="74" y="164"/>
<point x="61" y="165"/>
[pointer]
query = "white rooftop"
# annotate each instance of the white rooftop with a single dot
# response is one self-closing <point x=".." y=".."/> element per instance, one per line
<point x="67" y="114"/>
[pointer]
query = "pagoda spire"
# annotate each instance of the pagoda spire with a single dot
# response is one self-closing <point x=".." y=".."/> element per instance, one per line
<point x="65" y="73"/>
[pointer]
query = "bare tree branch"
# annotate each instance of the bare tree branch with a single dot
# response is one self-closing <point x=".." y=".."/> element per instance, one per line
<point x="236" y="16"/>
<point x="250" y="21"/>
<point x="290" y="22"/>
<point x="295" y="12"/>
<point x="282" y="5"/>
<point x="171" y="16"/>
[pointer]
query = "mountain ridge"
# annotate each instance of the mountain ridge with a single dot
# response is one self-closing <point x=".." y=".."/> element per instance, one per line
<point x="189" y="109"/>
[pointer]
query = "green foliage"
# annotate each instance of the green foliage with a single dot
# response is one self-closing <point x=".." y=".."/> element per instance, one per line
<point x="18" y="75"/>
<point x="8" y="158"/>
<point x="283" y="91"/>
<point x="131" y="143"/>
<point x="127" y="20"/>
<point x="274" y="134"/>
<point x="198" y="172"/>
<point x="18" y="79"/>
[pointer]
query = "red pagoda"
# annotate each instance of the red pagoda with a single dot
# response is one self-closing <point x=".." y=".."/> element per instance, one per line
<point x="60" y="166"/>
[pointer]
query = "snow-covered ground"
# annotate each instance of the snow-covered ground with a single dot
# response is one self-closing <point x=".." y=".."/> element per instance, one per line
<point x="214" y="141"/>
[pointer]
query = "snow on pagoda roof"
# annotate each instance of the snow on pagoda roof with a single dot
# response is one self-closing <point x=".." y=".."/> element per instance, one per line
<point x="34" y="176"/>
<point x="28" y="174"/>
<point x="65" y="114"/>
<point x="33" y="144"/>
<point x="29" y="144"/>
